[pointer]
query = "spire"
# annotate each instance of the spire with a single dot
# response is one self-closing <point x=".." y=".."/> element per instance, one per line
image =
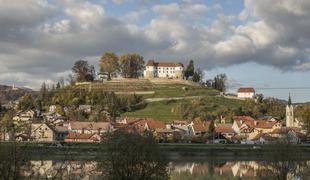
<point x="289" y="100"/>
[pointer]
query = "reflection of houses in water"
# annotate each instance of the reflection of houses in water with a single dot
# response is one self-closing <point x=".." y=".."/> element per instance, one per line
<point x="53" y="169"/>
<point x="242" y="169"/>
<point x="186" y="167"/>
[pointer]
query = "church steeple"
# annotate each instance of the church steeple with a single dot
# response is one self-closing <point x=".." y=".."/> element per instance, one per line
<point x="289" y="113"/>
<point x="289" y="100"/>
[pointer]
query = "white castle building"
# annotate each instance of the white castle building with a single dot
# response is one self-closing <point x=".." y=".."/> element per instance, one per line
<point x="163" y="70"/>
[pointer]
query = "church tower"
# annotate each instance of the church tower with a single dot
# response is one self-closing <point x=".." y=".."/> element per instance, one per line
<point x="289" y="113"/>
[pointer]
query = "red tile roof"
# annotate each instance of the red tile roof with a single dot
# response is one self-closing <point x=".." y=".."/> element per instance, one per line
<point x="265" y="124"/>
<point x="75" y="125"/>
<point x="224" y="128"/>
<point x="264" y="136"/>
<point x="201" y="126"/>
<point x="246" y="90"/>
<point x="285" y="130"/>
<point x="79" y="136"/>
<point x="248" y="120"/>
<point x="152" y="124"/>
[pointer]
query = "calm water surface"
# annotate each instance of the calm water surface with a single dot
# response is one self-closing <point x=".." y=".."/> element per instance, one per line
<point x="178" y="170"/>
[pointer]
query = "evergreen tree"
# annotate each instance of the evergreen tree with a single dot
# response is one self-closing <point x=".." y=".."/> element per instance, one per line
<point x="190" y="69"/>
<point x="43" y="95"/>
<point x="211" y="127"/>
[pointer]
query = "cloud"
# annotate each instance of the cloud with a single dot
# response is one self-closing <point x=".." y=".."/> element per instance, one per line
<point x="40" y="38"/>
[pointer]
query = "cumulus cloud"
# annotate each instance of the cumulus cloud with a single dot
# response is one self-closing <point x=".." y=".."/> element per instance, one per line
<point x="39" y="38"/>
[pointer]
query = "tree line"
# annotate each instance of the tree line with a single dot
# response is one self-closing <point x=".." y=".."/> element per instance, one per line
<point x="127" y="65"/>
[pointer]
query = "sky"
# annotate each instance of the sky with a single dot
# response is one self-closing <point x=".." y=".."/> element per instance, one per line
<point x="256" y="43"/>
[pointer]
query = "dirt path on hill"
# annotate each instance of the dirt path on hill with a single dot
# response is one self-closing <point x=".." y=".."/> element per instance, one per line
<point x="148" y="100"/>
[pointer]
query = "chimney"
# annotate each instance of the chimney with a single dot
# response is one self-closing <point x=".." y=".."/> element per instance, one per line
<point x="255" y="123"/>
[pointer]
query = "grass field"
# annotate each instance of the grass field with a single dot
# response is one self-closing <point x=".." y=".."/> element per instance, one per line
<point x="161" y="111"/>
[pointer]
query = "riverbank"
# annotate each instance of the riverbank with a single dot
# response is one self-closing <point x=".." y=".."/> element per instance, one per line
<point x="173" y="151"/>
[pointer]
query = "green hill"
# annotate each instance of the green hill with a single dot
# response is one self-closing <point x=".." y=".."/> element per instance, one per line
<point x="150" y="89"/>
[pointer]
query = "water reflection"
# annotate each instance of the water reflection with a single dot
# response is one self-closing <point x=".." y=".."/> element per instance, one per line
<point x="51" y="169"/>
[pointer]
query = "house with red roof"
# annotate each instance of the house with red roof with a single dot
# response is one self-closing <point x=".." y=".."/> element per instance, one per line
<point x="248" y="127"/>
<point x="78" y="137"/>
<point x="198" y="129"/>
<point x="246" y="92"/>
<point x="264" y="138"/>
<point x="89" y="127"/>
<point x="289" y="135"/>
<point x="226" y="130"/>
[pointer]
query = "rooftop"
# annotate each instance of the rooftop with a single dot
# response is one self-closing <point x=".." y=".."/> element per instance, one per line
<point x="246" y="90"/>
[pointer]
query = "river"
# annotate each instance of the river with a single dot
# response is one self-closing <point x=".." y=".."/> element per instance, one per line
<point x="181" y="169"/>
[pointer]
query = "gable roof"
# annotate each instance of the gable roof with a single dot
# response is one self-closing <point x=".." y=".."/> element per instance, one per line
<point x="251" y="122"/>
<point x="80" y="136"/>
<point x="152" y="124"/>
<point x="248" y="120"/>
<point x="285" y="130"/>
<point x="246" y="90"/>
<point x="163" y="64"/>
<point x="224" y="128"/>
<point x="265" y="124"/>
<point x="265" y="136"/>
<point x="75" y="125"/>
<point x="201" y="126"/>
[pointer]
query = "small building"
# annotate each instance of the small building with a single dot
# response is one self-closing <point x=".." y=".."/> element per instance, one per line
<point x="167" y="135"/>
<point x="41" y="132"/>
<point x="289" y="135"/>
<point x="89" y="127"/>
<point x="163" y="70"/>
<point x="264" y="138"/>
<point x="24" y="116"/>
<point x="44" y="132"/>
<point x="198" y="129"/>
<point x="246" y="92"/>
<point x="226" y="130"/>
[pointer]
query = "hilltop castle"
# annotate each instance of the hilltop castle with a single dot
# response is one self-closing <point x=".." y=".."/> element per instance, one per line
<point x="163" y="70"/>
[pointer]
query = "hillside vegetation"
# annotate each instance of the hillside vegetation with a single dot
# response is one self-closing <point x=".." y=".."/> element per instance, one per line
<point x="8" y="94"/>
<point x="150" y="89"/>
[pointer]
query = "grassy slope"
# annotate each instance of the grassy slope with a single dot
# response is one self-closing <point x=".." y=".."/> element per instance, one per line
<point x="163" y="110"/>
<point x="175" y="90"/>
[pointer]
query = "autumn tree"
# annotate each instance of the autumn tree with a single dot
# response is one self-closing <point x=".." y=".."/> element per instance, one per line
<point x="83" y="71"/>
<point x="109" y="64"/>
<point x="305" y="116"/>
<point x="131" y="65"/>
<point x="190" y="70"/>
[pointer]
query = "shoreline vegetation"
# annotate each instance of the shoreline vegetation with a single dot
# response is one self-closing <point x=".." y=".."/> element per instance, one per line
<point x="86" y="151"/>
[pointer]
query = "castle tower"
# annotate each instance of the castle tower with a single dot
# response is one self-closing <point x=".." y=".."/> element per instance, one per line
<point x="289" y="113"/>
